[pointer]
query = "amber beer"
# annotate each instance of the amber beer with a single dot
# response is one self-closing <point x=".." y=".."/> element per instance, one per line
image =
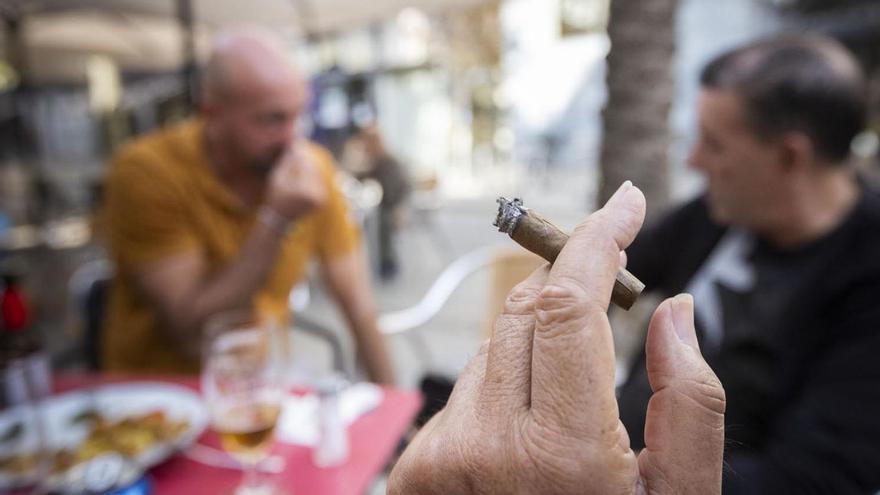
<point x="246" y="430"/>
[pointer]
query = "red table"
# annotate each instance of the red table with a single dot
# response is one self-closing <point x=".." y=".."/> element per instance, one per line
<point x="373" y="438"/>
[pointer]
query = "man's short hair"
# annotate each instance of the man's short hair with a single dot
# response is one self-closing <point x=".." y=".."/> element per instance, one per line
<point x="808" y="84"/>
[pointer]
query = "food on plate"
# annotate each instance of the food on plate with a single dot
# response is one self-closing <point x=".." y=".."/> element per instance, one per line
<point x="22" y="463"/>
<point x="129" y="436"/>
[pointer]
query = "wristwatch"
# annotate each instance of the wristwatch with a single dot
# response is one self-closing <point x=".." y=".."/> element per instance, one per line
<point x="274" y="221"/>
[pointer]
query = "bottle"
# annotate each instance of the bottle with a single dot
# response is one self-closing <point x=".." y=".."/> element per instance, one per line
<point x="15" y="321"/>
<point x="19" y="342"/>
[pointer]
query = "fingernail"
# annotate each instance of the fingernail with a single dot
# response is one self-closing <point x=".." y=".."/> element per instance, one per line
<point x="626" y="186"/>
<point x="683" y="319"/>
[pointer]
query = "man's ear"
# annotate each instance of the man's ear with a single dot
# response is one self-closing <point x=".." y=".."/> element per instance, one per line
<point x="796" y="152"/>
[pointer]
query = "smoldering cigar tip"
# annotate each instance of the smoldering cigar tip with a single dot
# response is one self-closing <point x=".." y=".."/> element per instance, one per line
<point x="509" y="213"/>
<point x="541" y="237"/>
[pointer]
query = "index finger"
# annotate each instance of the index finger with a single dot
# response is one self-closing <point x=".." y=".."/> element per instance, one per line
<point x="589" y="261"/>
<point x="298" y="162"/>
<point x="573" y="353"/>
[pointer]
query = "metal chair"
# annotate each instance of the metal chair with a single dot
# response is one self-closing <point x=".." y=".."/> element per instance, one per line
<point x="407" y="321"/>
<point x="299" y="299"/>
<point x="88" y="286"/>
<point x="90" y="282"/>
<point x="89" y="289"/>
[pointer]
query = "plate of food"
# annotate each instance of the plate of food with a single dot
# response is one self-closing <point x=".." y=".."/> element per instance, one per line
<point x="143" y="422"/>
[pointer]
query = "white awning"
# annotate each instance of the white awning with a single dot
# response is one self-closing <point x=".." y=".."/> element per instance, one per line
<point x="145" y="35"/>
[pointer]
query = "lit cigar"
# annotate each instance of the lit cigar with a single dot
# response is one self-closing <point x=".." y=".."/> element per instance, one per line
<point x="537" y="234"/>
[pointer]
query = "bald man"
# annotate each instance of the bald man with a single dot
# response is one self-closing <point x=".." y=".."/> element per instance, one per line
<point x="225" y="211"/>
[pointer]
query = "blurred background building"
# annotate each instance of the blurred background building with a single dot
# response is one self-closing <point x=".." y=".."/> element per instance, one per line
<point x="478" y="98"/>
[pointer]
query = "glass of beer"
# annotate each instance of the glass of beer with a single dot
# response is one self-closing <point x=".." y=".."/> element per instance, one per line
<point x="242" y="385"/>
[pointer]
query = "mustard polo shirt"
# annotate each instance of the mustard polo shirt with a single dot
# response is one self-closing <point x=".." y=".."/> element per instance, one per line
<point x="163" y="199"/>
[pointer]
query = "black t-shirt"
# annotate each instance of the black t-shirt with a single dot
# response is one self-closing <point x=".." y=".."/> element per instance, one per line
<point x="797" y="347"/>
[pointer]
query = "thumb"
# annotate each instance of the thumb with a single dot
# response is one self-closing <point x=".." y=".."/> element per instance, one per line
<point x="684" y="430"/>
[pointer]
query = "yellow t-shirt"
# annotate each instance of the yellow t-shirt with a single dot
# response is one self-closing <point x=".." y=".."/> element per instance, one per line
<point x="163" y="199"/>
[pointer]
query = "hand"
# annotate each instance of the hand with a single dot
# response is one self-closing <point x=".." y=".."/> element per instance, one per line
<point x="535" y="410"/>
<point x="296" y="186"/>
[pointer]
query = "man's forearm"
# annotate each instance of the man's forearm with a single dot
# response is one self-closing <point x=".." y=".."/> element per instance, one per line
<point x="372" y="352"/>
<point x="348" y="278"/>
<point x="235" y="285"/>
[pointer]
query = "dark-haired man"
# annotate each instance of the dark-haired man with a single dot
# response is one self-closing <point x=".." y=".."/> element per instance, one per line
<point x="781" y="257"/>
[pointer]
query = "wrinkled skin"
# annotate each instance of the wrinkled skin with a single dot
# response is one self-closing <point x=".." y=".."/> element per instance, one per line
<point x="535" y="411"/>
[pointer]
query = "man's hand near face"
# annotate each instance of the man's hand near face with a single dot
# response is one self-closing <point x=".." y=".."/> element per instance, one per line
<point x="183" y="289"/>
<point x="535" y="410"/>
<point x="296" y="186"/>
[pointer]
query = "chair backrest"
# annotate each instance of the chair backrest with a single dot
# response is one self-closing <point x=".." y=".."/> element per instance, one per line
<point x="89" y="287"/>
<point x="299" y="299"/>
<point x="402" y="321"/>
<point x="510" y="266"/>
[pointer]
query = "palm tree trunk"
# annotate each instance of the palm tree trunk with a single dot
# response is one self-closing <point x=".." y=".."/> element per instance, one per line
<point x="636" y="134"/>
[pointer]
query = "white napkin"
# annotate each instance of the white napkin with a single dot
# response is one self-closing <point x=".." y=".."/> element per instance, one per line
<point x="299" y="418"/>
